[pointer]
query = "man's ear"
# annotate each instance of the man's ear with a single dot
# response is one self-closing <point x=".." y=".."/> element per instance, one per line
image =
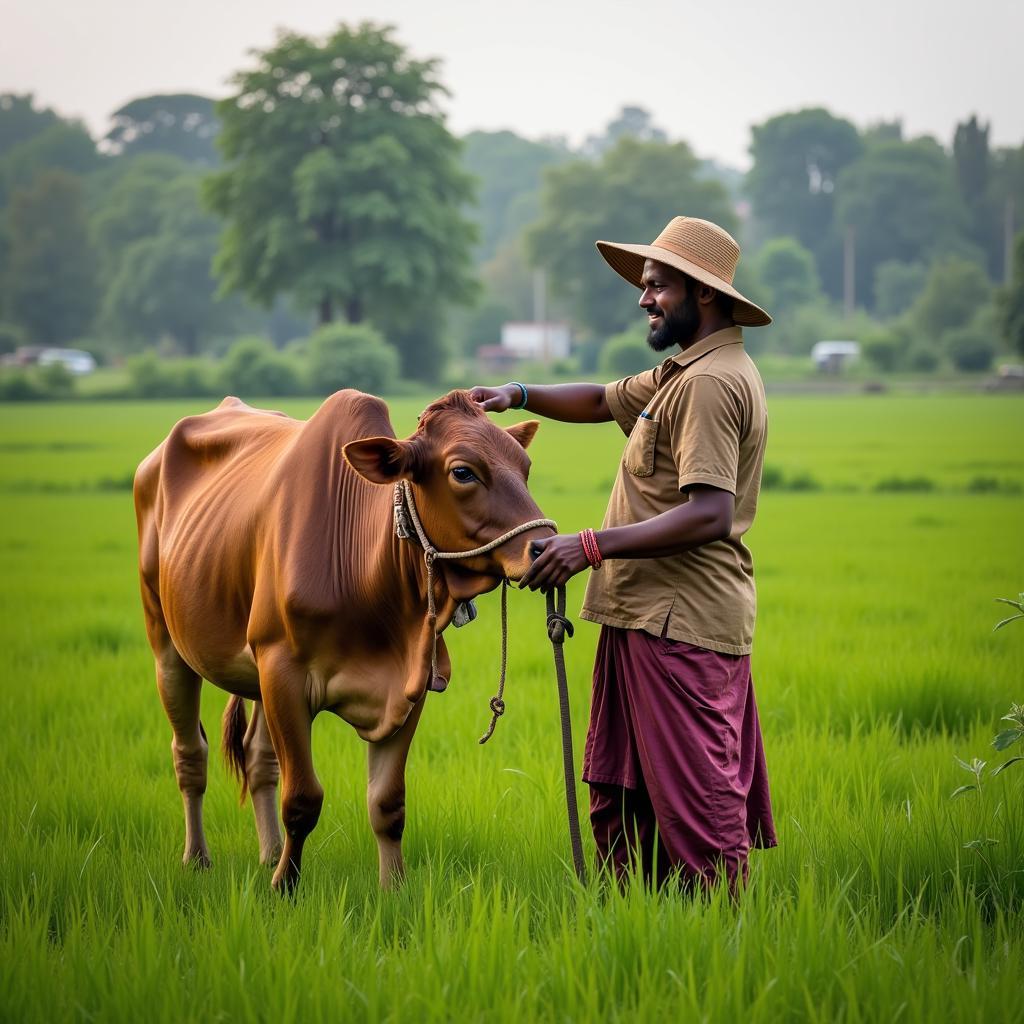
<point x="381" y="460"/>
<point x="523" y="432"/>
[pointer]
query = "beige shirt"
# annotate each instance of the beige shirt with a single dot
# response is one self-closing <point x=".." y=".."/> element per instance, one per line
<point x="698" y="418"/>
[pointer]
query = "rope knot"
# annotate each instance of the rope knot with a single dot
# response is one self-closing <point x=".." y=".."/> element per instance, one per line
<point x="497" y="706"/>
<point x="559" y="627"/>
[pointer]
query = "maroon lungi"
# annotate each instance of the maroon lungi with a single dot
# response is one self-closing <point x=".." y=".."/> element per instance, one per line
<point x="674" y="759"/>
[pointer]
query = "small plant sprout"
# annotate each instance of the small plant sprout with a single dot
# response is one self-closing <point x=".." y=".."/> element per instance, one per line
<point x="1018" y="604"/>
<point x="1010" y="736"/>
<point x="977" y="768"/>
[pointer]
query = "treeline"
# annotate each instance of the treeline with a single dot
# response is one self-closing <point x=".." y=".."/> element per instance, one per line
<point x="327" y="188"/>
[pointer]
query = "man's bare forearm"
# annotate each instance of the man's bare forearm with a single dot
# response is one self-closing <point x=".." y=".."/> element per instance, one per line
<point x="571" y="403"/>
<point x="697" y="522"/>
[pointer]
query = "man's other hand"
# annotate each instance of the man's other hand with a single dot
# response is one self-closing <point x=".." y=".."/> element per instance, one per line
<point x="560" y="559"/>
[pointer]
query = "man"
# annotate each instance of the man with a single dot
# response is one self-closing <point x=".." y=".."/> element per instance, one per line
<point x="673" y="757"/>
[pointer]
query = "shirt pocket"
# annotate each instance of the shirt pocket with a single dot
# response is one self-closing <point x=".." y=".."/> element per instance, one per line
<point x="638" y="457"/>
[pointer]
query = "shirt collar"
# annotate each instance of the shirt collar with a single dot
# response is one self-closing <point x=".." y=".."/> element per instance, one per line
<point x="728" y="336"/>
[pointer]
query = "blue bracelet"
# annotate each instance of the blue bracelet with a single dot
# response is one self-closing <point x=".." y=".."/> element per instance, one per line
<point x="522" y="387"/>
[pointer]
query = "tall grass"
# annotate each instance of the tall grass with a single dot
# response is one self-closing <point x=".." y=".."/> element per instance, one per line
<point x="874" y="666"/>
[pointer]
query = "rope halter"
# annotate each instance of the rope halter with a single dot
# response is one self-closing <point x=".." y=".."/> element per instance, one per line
<point x="406" y="516"/>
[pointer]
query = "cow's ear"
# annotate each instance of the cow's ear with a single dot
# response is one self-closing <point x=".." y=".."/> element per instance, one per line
<point x="381" y="460"/>
<point x="523" y="432"/>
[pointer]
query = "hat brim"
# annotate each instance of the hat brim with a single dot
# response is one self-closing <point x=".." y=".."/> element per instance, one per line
<point x="628" y="262"/>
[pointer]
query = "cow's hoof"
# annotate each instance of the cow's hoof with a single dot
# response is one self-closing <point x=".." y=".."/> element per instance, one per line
<point x="438" y="684"/>
<point x="285" y="881"/>
<point x="270" y="859"/>
<point x="198" y="860"/>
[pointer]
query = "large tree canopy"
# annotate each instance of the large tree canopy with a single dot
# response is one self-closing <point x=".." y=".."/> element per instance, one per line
<point x="628" y="196"/>
<point x="20" y="120"/>
<point x="49" y="277"/>
<point x="902" y="202"/>
<point x="63" y="145"/>
<point x="343" y="185"/>
<point x="182" y="124"/>
<point x="798" y="158"/>
<point x="160" y="279"/>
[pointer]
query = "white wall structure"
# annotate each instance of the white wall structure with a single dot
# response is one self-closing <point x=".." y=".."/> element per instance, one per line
<point x="545" y="340"/>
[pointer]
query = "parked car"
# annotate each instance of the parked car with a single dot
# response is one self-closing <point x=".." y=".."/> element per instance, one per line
<point x="72" y="359"/>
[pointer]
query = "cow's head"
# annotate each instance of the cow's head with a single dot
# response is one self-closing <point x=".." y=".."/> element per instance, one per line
<point x="469" y="483"/>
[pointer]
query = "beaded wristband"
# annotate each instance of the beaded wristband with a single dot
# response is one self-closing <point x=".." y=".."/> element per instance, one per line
<point x="593" y="553"/>
<point x="522" y="388"/>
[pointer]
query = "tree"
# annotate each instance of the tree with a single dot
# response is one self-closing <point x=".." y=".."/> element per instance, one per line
<point x="343" y="185"/>
<point x="20" y="120"/>
<point x="508" y="171"/>
<point x="897" y="285"/>
<point x="49" y="280"/>
<point x="789" y="273"/>
<point x="63" y="145"/>
<point x="629" y="123"/>
<point x="955" y="291"/>
<point x="901" y="201"/>
<point x="798" y="158"/>
<point x="628" y="196"/>
<point x="1011" y="301"/>
<point x="163" y="284"/>
<point x="131" y="205"/>
<point x="972" y="161"/>
<point x="1007" y="196"/>
<point x="182" y="124"/>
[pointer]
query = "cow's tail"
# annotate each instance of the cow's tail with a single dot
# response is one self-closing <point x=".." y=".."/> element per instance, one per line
<point x="233" y="726"/>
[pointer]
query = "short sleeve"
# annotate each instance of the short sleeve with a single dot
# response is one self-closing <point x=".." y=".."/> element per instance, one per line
<point x="628" y="398"/>
<point x="705" y="434"/>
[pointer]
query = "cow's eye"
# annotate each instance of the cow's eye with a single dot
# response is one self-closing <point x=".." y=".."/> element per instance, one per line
<point x="464" y="474"/>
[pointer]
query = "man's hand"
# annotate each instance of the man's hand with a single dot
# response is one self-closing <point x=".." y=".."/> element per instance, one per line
<point x="495" y="399"/>
<point x="561" y="558"/>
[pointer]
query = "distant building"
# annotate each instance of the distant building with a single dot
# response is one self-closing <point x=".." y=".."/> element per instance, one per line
<point x="542" y="341"/>
<point x="833" y="356"/>
<point x="495" y="359"/>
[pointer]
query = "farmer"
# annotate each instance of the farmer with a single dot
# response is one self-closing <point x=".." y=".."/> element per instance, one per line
<point x="673" y="757"/>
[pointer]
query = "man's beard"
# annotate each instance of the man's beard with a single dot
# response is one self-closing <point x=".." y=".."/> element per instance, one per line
<point x="677" y="328"/>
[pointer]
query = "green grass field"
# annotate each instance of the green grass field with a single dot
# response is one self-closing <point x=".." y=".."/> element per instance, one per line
<point x="891" y="525"/>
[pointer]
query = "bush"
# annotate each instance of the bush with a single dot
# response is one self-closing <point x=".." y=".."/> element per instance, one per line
<point x="971" y="349"/>
<point x="152" y="377"/>
<point x="19" y="386"/>
<point x="56" y="380"/>
<point x="897" y="286"/>
<point x="351" y="356"/>
<point x="883" y="349"/>
<point x="905" y="485"/>
<point x="923" y="358"/>
<point x="253" y="367"/>
<point x="624" y="355"/>
<point x="956" y="289"/>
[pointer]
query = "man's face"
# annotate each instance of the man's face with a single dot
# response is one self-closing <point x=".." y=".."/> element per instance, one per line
<point x="673" y="313"/>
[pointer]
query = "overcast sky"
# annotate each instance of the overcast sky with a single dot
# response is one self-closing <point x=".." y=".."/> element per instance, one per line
<point x="707" y="71"/>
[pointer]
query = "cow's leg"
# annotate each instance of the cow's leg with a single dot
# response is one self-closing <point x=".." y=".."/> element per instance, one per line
<point x="385" y="797"/>
<point x="261" y="775"/>
<point x="179" y="690"/>
<point x="289" y="719"/>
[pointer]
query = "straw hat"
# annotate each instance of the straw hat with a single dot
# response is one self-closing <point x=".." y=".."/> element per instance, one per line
<point x="696" y="247"/>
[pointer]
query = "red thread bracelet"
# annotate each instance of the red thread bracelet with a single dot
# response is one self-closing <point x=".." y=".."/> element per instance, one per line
<point x="590" y="549"/>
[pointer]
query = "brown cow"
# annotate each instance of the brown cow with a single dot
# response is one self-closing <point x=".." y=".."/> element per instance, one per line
<point x="270" y="566"/>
